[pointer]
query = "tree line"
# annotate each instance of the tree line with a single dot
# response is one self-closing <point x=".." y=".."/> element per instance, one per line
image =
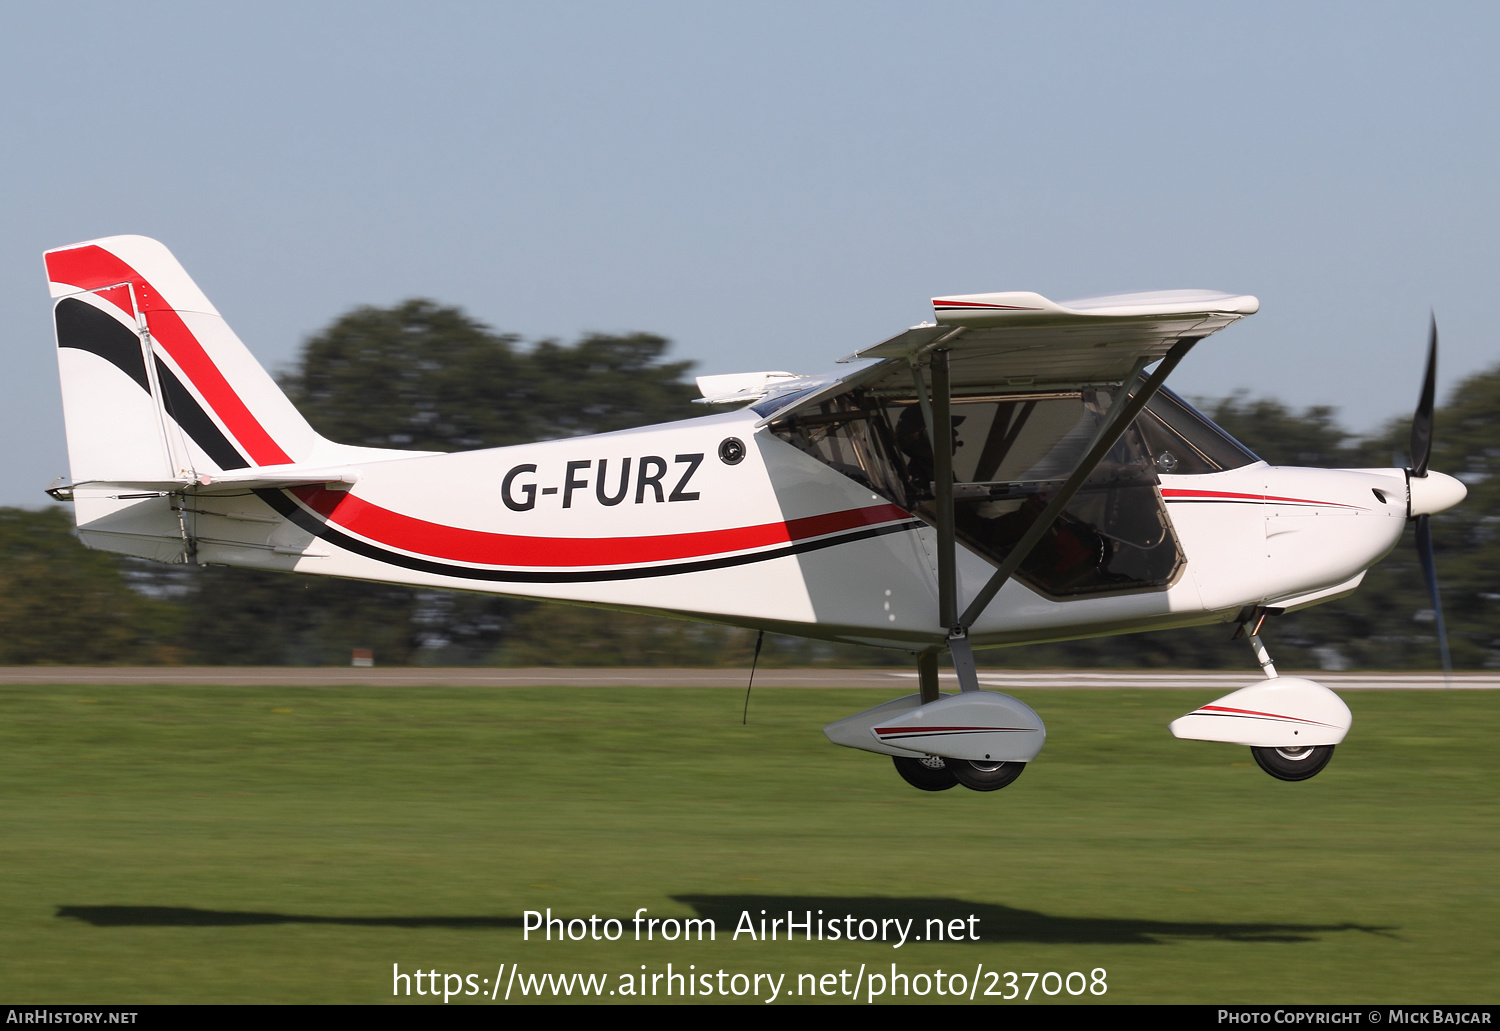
<point x="424" y="376"/>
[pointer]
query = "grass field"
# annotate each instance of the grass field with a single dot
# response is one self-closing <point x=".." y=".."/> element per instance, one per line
<point x="291" y="845"/>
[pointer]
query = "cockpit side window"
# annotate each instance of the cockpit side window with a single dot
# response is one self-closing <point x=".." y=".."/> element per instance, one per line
<point x="847" y="435"/>
<point x="1185" y="442"/>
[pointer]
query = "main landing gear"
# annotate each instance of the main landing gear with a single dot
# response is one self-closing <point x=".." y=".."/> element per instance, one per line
<point x="939" y="773"/>
<point x="934" y="773"/>
<point x="929" y="773"/>
<point x="980" y="739"/>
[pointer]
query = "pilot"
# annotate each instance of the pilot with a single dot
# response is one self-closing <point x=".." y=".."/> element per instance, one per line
<point x="911" y="438"/>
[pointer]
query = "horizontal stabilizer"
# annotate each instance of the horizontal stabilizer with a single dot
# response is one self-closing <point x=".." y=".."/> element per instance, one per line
<point x="238" y="481"/>
<point x="1285" y="712"/>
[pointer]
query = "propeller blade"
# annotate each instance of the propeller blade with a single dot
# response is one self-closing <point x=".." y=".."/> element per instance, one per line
<point x="1421" y="422"/>
<point x="1429" y="573"/>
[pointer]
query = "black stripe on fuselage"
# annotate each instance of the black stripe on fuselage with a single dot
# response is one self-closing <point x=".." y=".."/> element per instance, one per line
<point x="318" y="528"/>
<point x="82" y="326"/>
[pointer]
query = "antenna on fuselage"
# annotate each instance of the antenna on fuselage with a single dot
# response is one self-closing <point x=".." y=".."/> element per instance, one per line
<point x="745" y="716"/>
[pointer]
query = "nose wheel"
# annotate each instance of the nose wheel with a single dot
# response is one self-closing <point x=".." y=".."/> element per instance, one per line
<point x="1293" y="763"/>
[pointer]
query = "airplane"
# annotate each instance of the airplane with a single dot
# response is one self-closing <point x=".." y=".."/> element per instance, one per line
<point x="1012" y="471"/>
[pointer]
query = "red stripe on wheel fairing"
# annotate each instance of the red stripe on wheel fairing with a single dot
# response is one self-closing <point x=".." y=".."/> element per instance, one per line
<point x="92" y="267"/>
<point x="1224" y="710"/>
<point x="479" y="547"/>
<point x="918" y="731"/>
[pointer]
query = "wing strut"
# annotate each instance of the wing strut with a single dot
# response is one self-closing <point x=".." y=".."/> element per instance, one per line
<point x="1117" y="421"/>
<point x="942" y="487"/>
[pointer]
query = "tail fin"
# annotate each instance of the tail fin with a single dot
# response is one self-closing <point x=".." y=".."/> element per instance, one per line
<point x="156" y="386"/>
<point x="158" y="393"/>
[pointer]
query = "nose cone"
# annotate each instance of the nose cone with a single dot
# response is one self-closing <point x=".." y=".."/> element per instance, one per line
<point x="1434" y="493"/>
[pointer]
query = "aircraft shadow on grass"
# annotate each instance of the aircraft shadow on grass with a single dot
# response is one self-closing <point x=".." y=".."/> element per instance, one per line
<point x="190" y="916"/>
<point x="996" y="923"/>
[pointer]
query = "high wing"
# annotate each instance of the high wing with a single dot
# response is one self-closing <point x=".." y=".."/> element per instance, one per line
<point x="1022" y="341"/>
<point x="1024" y="346"/>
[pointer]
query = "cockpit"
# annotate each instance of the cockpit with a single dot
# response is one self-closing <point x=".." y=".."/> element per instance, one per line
<point x="1011" y="452"/>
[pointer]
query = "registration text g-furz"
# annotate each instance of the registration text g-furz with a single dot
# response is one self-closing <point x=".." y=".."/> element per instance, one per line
<point x="519" y="488"/>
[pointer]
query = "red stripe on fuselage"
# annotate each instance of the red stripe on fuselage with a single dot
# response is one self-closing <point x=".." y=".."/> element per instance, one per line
<point x="1181" y="494"/>
<point x="92" y="267"/>
<point x="479" y="547"/>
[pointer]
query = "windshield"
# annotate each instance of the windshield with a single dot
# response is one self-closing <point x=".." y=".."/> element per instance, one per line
<point x="1185" y="442"/>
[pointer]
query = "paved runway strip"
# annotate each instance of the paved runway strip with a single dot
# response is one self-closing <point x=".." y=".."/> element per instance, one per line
<point x="733" y="677"/>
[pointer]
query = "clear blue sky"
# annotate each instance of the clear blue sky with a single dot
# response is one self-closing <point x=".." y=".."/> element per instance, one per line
<point x="770" y="185"/>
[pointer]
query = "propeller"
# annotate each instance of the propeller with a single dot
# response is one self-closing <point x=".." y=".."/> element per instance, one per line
<point x="1429" y="574"/>
<point x="1421" y="420"/>
<point x="1430" y="492"/>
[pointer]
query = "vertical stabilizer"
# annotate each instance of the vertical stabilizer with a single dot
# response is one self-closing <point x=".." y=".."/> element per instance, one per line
<point x="155" y="383"/>
<point x="157" y="392"/>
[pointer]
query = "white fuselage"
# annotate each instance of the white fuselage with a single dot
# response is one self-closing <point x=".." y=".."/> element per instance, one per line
<point x="776" y="540"/>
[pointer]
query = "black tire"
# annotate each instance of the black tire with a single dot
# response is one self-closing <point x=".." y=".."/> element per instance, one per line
<point x="1293" y="763"/>
<point x="985" y="776"/>
<point x="930" y="773"/>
